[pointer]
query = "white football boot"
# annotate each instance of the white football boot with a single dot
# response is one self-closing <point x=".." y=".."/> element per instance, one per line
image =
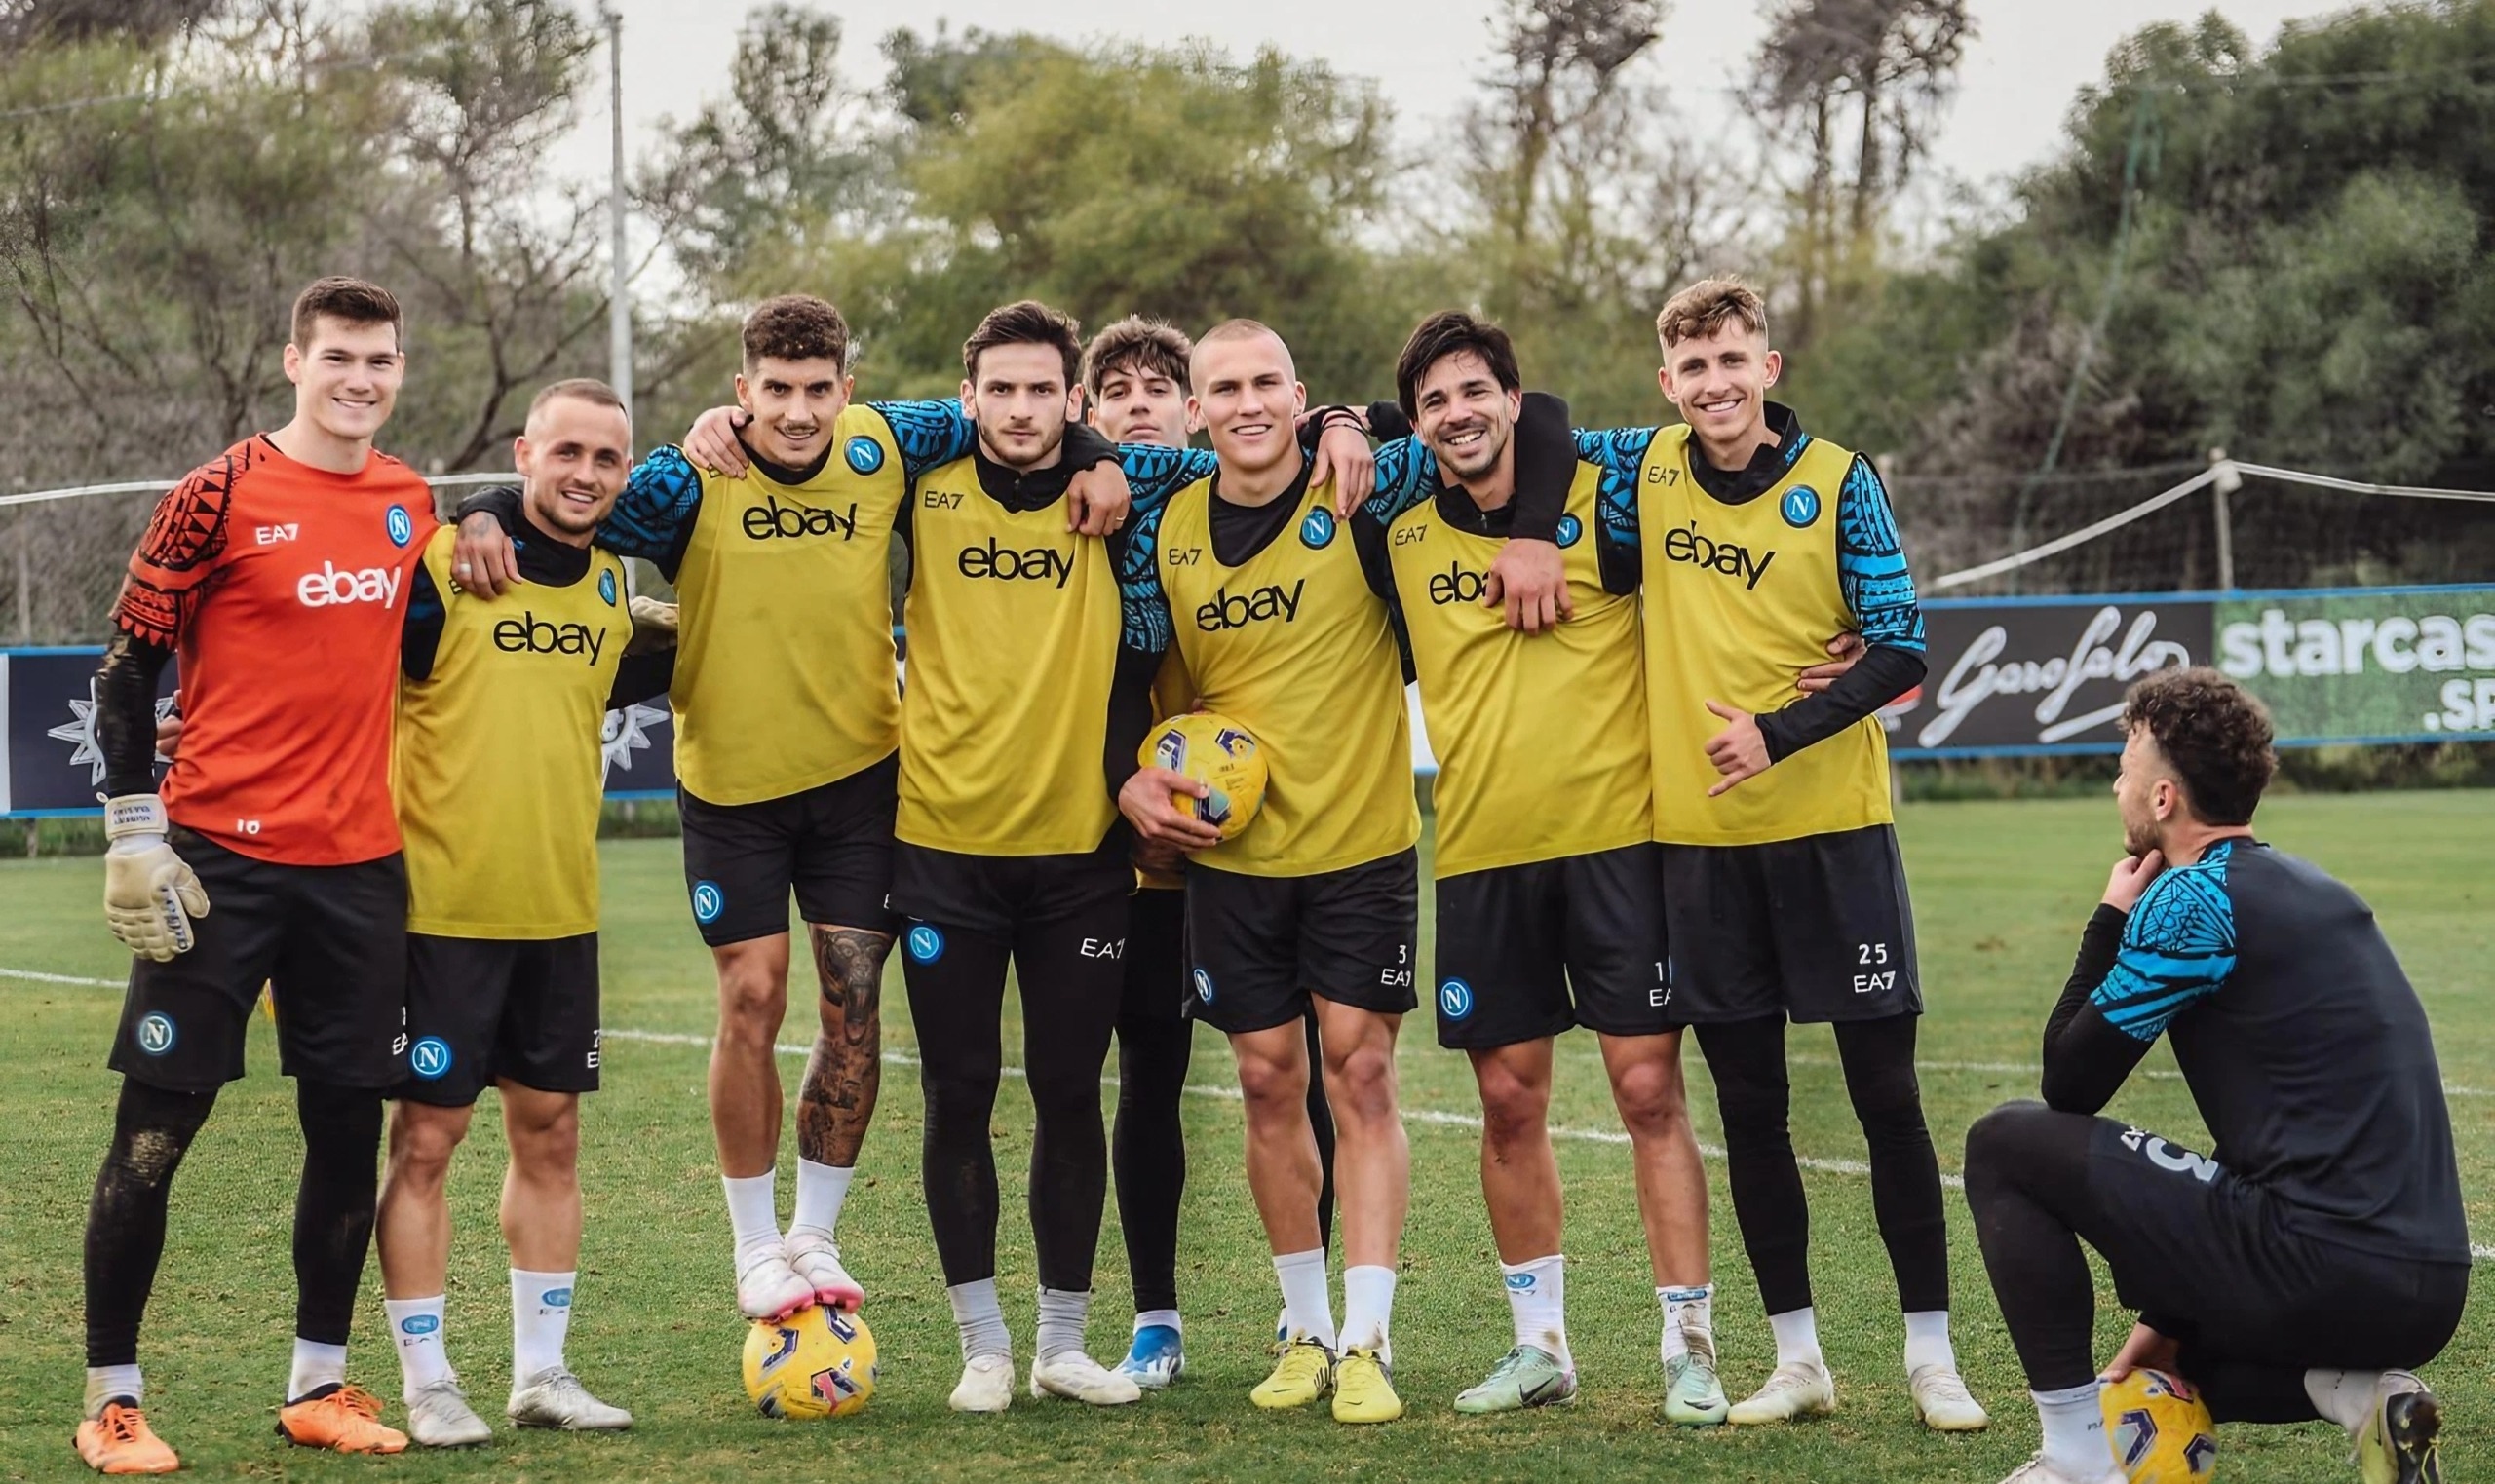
<point x="816" y="1257"/>
<point x="438" y="1416"/>
<point x="1078" y="1377"/>
<point x="1795" y="1389"/>
<point x="1943" y="1401"/>
<point x="986" y="1385"/>
<point x="555" y="1398"/>
<point x="769" y="1288"/>
<point x="2037" y="1470"/>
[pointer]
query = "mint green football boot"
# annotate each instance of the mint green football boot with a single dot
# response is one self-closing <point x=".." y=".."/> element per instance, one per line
<point x="1524" y="1377"/>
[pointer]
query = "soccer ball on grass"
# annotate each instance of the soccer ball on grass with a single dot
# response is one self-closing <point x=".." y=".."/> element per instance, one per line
<point x="814" y="1363"/>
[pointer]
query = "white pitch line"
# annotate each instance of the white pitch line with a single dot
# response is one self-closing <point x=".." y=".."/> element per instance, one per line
<point x="1431" y="1116"/>
<point x="57" y="978"/>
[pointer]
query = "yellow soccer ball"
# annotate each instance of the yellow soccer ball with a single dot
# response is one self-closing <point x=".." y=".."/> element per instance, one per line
<point x="1219" y="754"/>
<point x="2160" y="1429"/>
<point x="817" y="1362"/>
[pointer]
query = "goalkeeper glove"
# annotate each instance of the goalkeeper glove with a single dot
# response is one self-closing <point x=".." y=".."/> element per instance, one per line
<point x="150" y="896"/>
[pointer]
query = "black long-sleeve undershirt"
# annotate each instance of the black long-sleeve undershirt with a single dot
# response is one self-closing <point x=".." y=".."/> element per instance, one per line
<point x="2087" y="1059"/>
<point x="125" y="718"/>
<point x="1883" y="674"/>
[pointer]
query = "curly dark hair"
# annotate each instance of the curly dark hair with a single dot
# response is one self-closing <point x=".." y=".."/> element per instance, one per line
<point x="795" y="326"/>
<point x="2214" y="732"/>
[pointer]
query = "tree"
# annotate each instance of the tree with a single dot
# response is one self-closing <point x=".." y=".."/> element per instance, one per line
<point x="502" y="270"/>
<point x="1877" y="72"/>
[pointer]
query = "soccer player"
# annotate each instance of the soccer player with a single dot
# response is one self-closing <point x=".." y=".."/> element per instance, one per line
<point x="1783" y="892"/>
<point x="278" y="572"/>
<point x="2320" y="1249"/>
<point x="1030" y="670"/>
<point x="1135" y="391"/>
<point x="788" y="728"/>
<point x="1548" y="877"/>
<point x="499" y="778"/>
<point x="1282" y="630"/>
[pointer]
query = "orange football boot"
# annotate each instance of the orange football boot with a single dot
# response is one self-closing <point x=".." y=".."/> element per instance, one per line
<point x="347" y="1419"/>
<point x="120" y="1441"/>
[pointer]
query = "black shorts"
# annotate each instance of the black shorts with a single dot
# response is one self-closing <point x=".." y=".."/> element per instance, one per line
<point x="1259" y="946"/>
<point x="2223" y="1265"/>
<point x="1156" y="972"/>
<point x="330" y="940"/>
<point x="1516" y="941"/>
<point x="831" y="845"/>
<point x="1817" y="929"/>
<point x="996" y="894"/>
<point x="479" y="1009"/>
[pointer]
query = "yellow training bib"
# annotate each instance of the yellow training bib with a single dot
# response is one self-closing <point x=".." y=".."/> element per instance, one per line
<point x="784" y="671"/>
<point x="1739" y="599"/>
<point x="1295" y="647"/>
<point x="1014" y="634"/>
<point x="1541" y="739"/>
<point x="498" y="767"/>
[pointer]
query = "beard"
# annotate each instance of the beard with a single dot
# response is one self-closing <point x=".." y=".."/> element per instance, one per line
<point x="1050" y="440"/>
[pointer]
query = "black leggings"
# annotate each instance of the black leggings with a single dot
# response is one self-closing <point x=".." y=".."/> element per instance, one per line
<point x="1069" y="1001"/>
<point x="2206" y="1258"/>
<point x="1148" y="1148"/>
<point x="333" y="1206"/>
<point x="1753" y="1098"/>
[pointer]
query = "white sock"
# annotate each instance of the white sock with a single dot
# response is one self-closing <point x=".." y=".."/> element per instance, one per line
<point x="753" y="1214"/>
<point x="2344" y="1397"/>
<point x="1308" y="1309"/>
<point x="317" y="1365"/>
<point x="2075" y="1442"/>
<point x="415" y="1327"/>
<point x="1064" y="1315"/>
<point x="1928" y="1341"/>
<point x="1368" y="1304"/>
<point x="1538" y="1304"/>
<point x="821" y="1190"/>
<point x="541" y="1317"/>
<point x="1689" y="1321"/>
<point x="1166" y="1318"/>
<point x="106" y="1382"/>
<point x="980" y="1318"/>
<point x="1797" y="1336"/>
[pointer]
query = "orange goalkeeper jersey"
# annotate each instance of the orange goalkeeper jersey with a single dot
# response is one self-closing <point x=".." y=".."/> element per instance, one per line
<point x="283" y="589"/>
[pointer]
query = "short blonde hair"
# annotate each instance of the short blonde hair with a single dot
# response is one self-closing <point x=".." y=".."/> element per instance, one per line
<point x="1706" y="307"/>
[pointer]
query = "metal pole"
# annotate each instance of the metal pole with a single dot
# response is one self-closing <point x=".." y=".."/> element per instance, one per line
<point x="618" y="327"/>
<point x="2221" y="493"/>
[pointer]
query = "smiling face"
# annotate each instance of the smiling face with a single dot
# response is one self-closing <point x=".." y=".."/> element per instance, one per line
<point x="1719" y="382"/>
<point x="346" y="377"/>
<point x="1247" y="397"/>
<point x="1140" y="405"/>
<point x="1018" y="395"/>
<point x="574" y="462"/>
<point x="795" y="404"/>
<point x="1463" y="416"/>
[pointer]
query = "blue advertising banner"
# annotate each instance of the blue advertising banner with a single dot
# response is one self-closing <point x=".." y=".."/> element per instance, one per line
<point x="51" y="765"/>
<point x="2007" y="676"/>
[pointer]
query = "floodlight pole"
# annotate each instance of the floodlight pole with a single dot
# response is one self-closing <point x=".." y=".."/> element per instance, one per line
<point x="619" y="312"/>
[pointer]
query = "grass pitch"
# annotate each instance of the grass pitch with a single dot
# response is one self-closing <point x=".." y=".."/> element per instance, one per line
<point x="2000" y="891"/>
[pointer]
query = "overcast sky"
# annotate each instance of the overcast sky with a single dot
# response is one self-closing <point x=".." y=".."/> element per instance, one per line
<point x="2028" y="58"/>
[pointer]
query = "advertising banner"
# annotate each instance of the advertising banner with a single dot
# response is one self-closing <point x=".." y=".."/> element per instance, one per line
<point x="51" y="764"/>
<point x="2007" y="676"/>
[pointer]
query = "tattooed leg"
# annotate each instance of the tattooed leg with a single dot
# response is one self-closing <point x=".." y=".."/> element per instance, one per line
<point x="846" y="1069"/>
